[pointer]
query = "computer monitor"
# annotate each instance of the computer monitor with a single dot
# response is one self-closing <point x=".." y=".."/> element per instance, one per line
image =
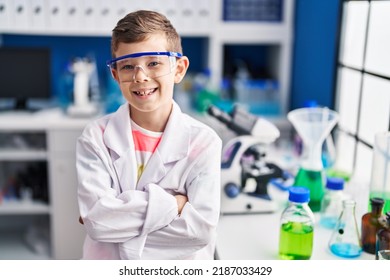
<point x="24" y="75"/>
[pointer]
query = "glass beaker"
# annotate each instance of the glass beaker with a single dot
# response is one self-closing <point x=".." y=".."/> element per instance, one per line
<point x="313" y="125"/>
<point x="345" y="239"/>
<point x="380" y="171"/>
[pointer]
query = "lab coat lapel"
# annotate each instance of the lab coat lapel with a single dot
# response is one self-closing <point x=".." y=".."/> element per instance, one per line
<point x="118" y="138"/>
<point x="174" y="146"/>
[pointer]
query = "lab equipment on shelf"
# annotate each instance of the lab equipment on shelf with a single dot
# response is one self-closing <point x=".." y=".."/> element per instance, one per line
<point x="332" y="203"/>
<point x="371" y="223"/>
<point x="345" y="239"/>
<point x="382" y="251"/>
<point x="313" y="125"/>
<point x="82" y="107"/>
<point x="297" y="227"/>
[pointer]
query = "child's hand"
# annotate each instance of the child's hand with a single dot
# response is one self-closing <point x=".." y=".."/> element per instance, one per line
<point x="181" y="201"/>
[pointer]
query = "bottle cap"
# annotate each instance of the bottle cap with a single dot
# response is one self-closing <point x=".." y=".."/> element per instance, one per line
<point x="310" y="104"/>
<point x="377" y="201"/>
<point x="334" y="183"/>
<point x="299" y="194"/>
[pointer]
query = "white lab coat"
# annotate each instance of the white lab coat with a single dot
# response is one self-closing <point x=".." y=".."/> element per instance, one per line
<point x="126" y="219"/>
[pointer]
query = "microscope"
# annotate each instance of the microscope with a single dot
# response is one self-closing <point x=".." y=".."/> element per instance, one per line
<point x="245" y="173"/>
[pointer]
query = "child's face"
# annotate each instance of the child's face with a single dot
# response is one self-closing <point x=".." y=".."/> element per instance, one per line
<point x="147" y="94"/>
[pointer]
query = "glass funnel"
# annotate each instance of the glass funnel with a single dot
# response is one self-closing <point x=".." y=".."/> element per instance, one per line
<point x="313" y="126"/>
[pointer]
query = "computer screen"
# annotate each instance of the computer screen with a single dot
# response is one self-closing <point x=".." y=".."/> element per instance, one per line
<point x="24" y="75"/>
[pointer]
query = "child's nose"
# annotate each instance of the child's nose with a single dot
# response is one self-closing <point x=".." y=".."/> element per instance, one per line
<point x="140" y="75"/>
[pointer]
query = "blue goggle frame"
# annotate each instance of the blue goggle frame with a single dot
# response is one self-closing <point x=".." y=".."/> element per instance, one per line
<point x="110" y="63"/>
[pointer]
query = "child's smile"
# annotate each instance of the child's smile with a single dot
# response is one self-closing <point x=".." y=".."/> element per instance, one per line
<point x="145" y="92"/>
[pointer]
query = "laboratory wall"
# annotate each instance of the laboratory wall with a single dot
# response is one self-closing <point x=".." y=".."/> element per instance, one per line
<point x="315" y="52"/>
<point x="313" y="61"/>
<point x="64" y="49"/>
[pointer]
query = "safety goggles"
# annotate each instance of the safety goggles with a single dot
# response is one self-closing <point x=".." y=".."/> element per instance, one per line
<point x="153" y="64"/>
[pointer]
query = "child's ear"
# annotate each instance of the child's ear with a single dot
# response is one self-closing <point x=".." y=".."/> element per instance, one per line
<point x="114" y="74"/>
<point x="181" y="68"/>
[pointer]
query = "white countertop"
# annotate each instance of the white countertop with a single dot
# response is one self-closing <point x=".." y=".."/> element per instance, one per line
<point x="256" y="237"/>
<point x="40" y="120"/>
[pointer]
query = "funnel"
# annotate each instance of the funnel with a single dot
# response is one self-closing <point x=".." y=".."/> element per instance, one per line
<point x="313" y="126"/>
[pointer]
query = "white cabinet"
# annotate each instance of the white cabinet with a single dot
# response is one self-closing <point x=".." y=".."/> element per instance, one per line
<point x="67" y="234"/>
<point x="192" y="18"/>
<point x="49" y="139"/>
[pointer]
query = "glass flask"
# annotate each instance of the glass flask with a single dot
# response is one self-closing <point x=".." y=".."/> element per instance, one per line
<point x="382" y="251"/>
<point x="371" y="223"/>
<point x="345" y="239"/>
<point x="380" y="171"/>
<point x="332" y="203"/>
<point x="313" y="125"/>
<point x="296" y="227"/>
<point x="314" y="181"/>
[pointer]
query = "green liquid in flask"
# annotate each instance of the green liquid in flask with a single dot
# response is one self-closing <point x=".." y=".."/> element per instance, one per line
<point x="296" y="241"/>
<point x="314" y="181"/>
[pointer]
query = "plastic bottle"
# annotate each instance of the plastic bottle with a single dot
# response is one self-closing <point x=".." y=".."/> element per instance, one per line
<point x="382" y="251"/>
<point x="345" y="239"/>
<point x="240" y="83"/>
<point x="297" y="227"/>
<point x="332" y="202"/>
<point x="371" y="223"/>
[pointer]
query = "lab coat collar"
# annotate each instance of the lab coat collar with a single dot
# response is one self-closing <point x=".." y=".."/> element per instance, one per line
<point x="118" y="138"/>
<point x="117" y="135"/>
<point x="175" y="141"/>
<point x="174" y="144"/>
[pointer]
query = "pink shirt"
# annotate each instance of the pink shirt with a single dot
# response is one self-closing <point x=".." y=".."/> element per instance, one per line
<point x="145" y="142"/>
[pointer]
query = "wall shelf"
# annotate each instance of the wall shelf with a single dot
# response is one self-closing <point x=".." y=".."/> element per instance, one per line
<point x="192" y="18"/>
<point x="22" y="155"/>
<point x="16" y="207"/>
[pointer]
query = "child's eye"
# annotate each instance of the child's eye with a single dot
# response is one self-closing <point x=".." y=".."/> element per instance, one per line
<point x="153" y="64"/>
<point x="127" y="67"/>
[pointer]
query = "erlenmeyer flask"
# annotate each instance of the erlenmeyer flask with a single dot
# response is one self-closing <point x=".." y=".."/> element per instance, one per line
<point x="313" y="126"/>
<point x="345" y="239"/>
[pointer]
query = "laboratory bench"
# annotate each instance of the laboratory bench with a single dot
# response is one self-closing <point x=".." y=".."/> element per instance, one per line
<point x="256" y="237"/>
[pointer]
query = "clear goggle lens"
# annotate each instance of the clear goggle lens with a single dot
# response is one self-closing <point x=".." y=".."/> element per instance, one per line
<point x="152" y="66"/>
